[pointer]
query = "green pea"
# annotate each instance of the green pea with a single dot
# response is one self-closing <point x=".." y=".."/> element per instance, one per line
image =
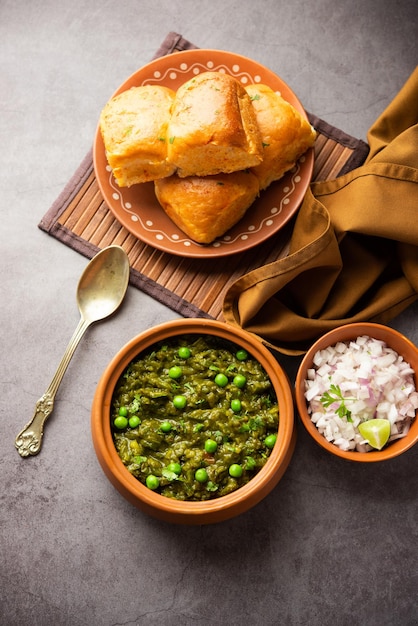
<point x="210" y="446"/>
<point x="120" y="422"/>
<point x="235" y="470"/>
<point x="175" y="372"/>
<point x="175" y="468"/>
<point x="201" y="475"/>
<point x="236" y="405"/>
<point x="270" y="440"/>
<point x="123" y="411"/>
<point x="152" y="482"/>
<point x="184" y="352"/>
<point x="179" y="402"/>
<point x="242" y="355"/>
<point x="166" y="427"/>
<point x="221" y="380"/>
<point x="239" y="381"/>
<point x="134" y="421"/>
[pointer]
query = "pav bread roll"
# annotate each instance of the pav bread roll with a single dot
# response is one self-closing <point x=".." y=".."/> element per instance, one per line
<point x="133" y="125"/>
<point x="207" y="207"/>
<point x="285" y="133"/>
<point x="213" y="127"/>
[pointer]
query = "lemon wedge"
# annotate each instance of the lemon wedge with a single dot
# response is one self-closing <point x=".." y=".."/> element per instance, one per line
<point x="375" y="432"/>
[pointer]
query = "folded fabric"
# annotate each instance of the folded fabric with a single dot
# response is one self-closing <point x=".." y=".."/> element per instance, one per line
<point x="354" y="249"/>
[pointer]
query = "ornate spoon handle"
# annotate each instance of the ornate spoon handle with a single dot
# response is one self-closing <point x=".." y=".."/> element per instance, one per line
<point x="29" y="440"/>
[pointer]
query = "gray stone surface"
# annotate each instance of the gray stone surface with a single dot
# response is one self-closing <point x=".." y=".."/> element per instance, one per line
<point x="335" y="543"/>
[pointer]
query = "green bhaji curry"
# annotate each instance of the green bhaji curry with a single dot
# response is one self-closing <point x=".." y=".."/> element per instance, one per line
<point x="194" y="417"/>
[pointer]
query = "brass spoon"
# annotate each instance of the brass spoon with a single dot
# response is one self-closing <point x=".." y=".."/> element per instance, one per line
<point x="101" y="289"/>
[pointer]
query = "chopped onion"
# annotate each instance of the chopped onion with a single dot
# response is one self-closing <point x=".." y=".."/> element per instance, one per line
<point x="375" y="383"/>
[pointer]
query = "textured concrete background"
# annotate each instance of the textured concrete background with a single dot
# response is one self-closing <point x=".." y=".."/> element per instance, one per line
<point x="334" y="544"/>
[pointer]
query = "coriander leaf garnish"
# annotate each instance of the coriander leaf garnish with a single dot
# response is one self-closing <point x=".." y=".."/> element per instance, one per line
<point x="336" y="395"/>
<point x="168" y="474"/>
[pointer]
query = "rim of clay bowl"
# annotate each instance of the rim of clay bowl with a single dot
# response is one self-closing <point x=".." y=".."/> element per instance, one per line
<point x="394" y="339"/>
<point x="185" y="512"/>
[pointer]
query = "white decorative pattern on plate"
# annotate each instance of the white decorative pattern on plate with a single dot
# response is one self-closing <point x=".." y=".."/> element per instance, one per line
<point x="252" y="229"/>
<point x="182" y="69"/>
<point x="137" y="208"/>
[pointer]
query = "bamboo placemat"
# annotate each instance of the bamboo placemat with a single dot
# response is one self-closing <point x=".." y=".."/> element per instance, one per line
<point x="192" y="287"/>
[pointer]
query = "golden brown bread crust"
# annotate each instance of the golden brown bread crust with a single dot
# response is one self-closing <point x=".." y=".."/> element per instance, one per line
<point x="227" y="142"/>
<point x="285" y="133"/>
<point x="207" y="207"/>
<point x="134" y="130"/>
<point x="213" y="127"/>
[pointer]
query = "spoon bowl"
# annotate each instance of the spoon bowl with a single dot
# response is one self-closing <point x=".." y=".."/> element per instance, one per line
<point x="103" y="284"/>
<point x="101" y="289"/>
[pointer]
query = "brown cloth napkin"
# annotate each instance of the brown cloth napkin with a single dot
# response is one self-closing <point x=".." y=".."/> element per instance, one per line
<point x="354" y="250"/>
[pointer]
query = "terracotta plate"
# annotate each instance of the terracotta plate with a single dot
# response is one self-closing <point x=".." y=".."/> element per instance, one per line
<point x="137" y="208"/>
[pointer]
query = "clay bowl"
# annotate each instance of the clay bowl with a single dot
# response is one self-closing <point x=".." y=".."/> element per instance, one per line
<point x="187" y="512"/>
<point x="393" y="339"/>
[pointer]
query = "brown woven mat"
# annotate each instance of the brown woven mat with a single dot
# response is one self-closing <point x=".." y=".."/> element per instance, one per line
<point x="192" y="287"/>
